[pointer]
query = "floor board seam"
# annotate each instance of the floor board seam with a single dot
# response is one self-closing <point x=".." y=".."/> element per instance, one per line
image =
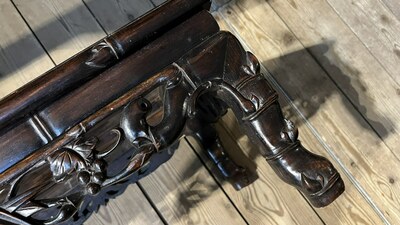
<point x="95" y="18"/>
<point x="216" y="180"/>
<point x="315" y="133"/>
<point x="33" y="33"/>
<point x="152" y="204"/>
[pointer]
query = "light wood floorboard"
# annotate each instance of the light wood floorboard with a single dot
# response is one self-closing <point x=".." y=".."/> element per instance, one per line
<point x="348" y="62"/>
<point x="377" y="27"/>
<point x="346" y="135"/>
<point x="129" y="208"/>
<point x="267" y="200"/>
<point x="334" y="64"/>
<point x="185" y="193"/>
<point x="21" y="57"/>
<point x="66" y="19"/>
<point x="393" y="6"/>
<point x="114" y="14"/>
<point x="63" y="27"/>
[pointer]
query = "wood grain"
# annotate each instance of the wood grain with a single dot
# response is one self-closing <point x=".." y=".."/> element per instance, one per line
<point x="350" y="208"/>
<point x="271" y="217"/>
<point x="215" y="209"/>
<point x="280" y="45"/>
<point x="63" y="27"/>
<point x="115" y="14"/>
<point x="130" y="208"/>
<point x="117" y="212"/>
<point x="298" y="73"/>
<point x="377" y="28"/>
<point x="349" y="62"/>
<point x="393" y="6"/>
<point x="185" y="193"/>
<point x="158" y="2"/>
<point x="267" y="200"/>
<point x="21" y="56"/>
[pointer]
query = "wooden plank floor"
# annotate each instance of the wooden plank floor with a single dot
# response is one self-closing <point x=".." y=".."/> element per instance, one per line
<point x="335" y="64"/>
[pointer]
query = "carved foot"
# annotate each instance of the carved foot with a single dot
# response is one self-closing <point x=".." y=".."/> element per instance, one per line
<point x="208" y="111"/>
<point x="313" y="175"/>
<point x="248" y="93"/>
<point x="237" y="175"/>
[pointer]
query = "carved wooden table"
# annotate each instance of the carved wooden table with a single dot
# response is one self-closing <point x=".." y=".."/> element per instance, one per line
<point x="82" y="132"/>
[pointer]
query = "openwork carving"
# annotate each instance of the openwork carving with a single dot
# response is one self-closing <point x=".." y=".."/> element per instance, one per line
<point x="198" y="89"/>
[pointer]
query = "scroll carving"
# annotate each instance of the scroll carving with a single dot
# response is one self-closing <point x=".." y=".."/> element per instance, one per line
<point x="255" y="103"/>
<point x="80" y="164"/>
<point x="77" y="160"/>
<point x="219" y="69"/>
<point x="101" y="54"/>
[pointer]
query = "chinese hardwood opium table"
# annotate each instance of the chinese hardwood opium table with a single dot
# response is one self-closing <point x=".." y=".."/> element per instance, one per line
<point x="80" y="133"/>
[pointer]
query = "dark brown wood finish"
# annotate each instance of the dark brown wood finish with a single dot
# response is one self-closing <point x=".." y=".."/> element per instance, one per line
<point x="93" y="60"/>
<point x="116" y="81"/>
<point x="87" y="142"/>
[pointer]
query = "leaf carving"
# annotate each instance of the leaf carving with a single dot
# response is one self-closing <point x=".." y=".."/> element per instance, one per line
<point x="73" y="157"/>
<point x="311" y="184"/>
<point x="29" y="208"/>
<point x="291" y="130"/>
<point x="65" y="162"/>
<point x="83" y="148"/>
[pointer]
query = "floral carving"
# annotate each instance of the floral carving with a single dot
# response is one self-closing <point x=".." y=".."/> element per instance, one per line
<point x="71" y="158"/>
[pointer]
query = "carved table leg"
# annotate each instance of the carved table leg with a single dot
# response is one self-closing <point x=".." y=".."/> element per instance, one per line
<point x="241" y="86"/>
<point x="59" y="183"/>
<point x="209" y="111"/>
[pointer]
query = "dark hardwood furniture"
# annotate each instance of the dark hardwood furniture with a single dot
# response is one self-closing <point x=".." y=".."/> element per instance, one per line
<point x="83" y="131"/>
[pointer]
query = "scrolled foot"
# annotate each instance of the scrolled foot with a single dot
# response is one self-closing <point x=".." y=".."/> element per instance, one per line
<point x="208" y="111"/>
<point x="235" y="174"/>
<point x="313" y="175"/>
<point x="242" y="88"/>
